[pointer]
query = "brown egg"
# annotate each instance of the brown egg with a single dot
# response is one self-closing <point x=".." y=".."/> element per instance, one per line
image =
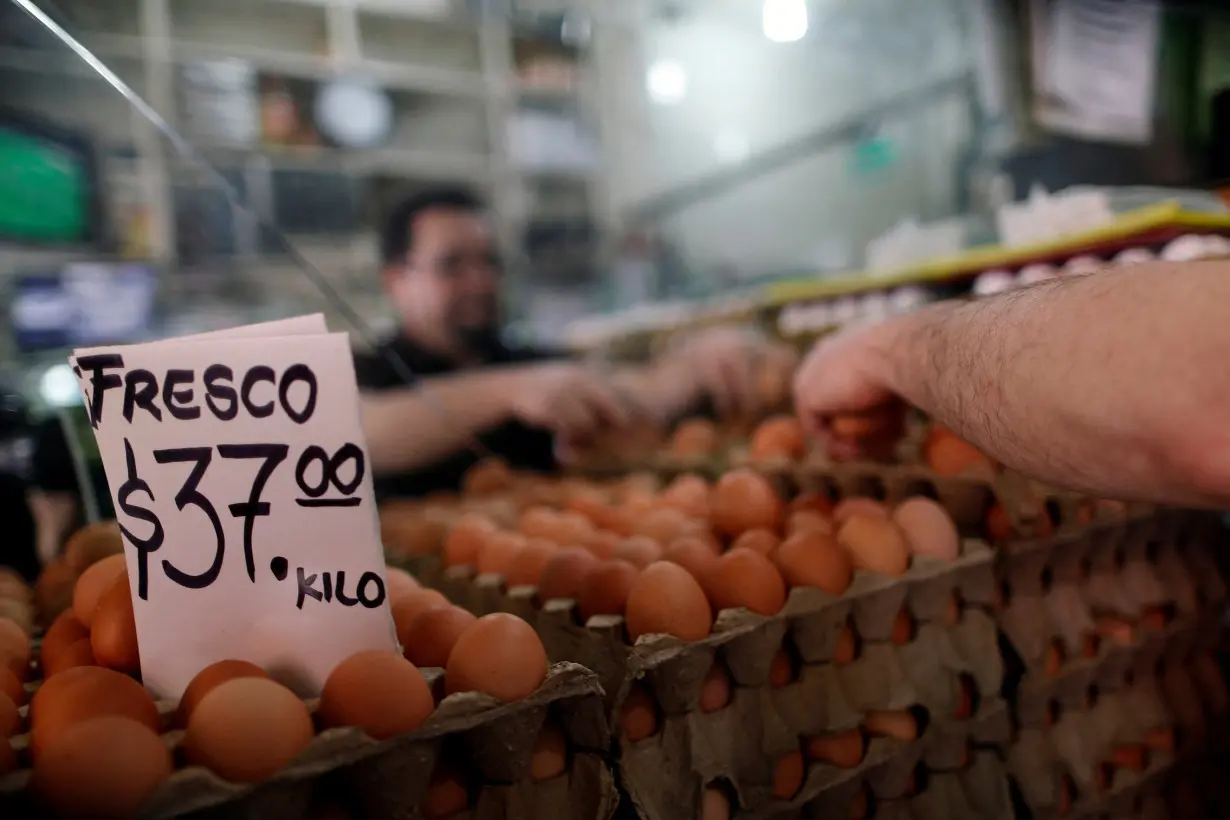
<point x="744" y="578"/>
<point x="874" y="544"/>
<point x="562" y="575"/>
<point x="638" y="715"/>
<point x="51" y="690"/>
<point x="499" y="655"/>
<point x="662" y="524"/>
<point x="811" y="502"/>
<point x="93" y="583"/>
<point x="430" y="636"/>
<point x="498" y="554"/>
<point x="78" y="653"/>
<point x="91" y="544"/>
<point x="380" y="692"/>
<point x="10" y="717"/>
<point x="399" y="583"/>
<point x="689" y="494"/>
<point x="928" y="528"/>
<point x="813" y="559"/>
<point x="487" y="476"/>
<point x="467" y="537"/>
<point x="714" y="805"/>
<point x="743" y="500"/>
<point x="108" y="767"/>
<point x="446" y="797"/>
<point x="549" y="759"/>
<point x="694" y="438"/>
<point x="571" y="529"/>
<point x="18" y="612"/>
<point x="113" y="637"/>
<point x="604" y="589"/>
<point x="210" y="678"/>
<point x="91" y="697"/>
<point x="846" y="646"/>
<point x="666" y="599"/>
<point x="602" y="543"/>
<point x="538" y="522"/>
<point x="845" y="750"/>
<point x="788" y="775"/>
<point x="640" y="551"/>
<point x="715" y="693"/>
<point x="758" y="540"/>
<point x="1000" y="528"/>
<point x="14" y="648"/>
<point x="781" y="670"/>
<point x="419" y="534"/>
<point x="12" y="686"/>
<point x="862" y="425"/>
<point x="899" y="724"/>
<point x="904" y="628"/>
<point x="694" y="555"/>
<point x="526" y="567"/>
<point x="858" y="505"/>
<point x="247" y="730"/>
<point x="950" y="456"/>
<point x="64" y="631"/>
<point x="808" y="521"/>
<point x="411" y="605"/>
<point x="53" y="592"/>
<point x="778" y="438"/>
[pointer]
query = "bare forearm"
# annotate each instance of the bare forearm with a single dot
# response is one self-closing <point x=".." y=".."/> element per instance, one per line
<point x="415" y="427"/>
<point x="1114" y="384"/>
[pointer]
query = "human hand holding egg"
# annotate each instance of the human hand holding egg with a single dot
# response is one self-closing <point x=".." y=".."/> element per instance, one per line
<point x="842" y="391"/>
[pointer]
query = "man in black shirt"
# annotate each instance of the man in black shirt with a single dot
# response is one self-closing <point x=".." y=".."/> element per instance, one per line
<point x="18" y="544"/>
<point x="441" y="271"/>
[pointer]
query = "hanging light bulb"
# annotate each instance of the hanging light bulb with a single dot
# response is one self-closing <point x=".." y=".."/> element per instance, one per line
<point x="784" y="21"/>
<point x="667" y="82"/>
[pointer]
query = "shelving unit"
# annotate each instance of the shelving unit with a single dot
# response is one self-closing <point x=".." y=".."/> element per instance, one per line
<point x="451" y="77"/>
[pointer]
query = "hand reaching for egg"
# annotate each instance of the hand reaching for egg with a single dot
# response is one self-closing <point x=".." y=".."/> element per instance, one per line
<point x="843" y="396"/>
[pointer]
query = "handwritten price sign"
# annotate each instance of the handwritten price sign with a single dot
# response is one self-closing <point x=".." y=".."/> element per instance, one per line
<point x="241" y="486"/>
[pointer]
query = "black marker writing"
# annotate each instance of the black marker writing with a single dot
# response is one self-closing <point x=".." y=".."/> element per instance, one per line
<point x="330" y="474"/>
<point x="261" y="392"/>
<point x="269" y="456"/>
<point x="143" y="546"/>
<point x="250" y="510"/>
<point x="190" y="495"/>
<point x="368" y="593"/>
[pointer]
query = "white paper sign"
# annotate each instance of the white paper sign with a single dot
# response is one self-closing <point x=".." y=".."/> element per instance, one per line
<point x="1097" y="67"/>
<point x="239" y="474"/>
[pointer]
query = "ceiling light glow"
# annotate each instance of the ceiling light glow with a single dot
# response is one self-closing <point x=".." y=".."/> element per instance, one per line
<point x="784" y="21"/>
<point x="667" y="82"/>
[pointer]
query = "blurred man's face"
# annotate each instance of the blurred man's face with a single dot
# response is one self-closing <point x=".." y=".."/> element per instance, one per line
<point x="448" y="286"/>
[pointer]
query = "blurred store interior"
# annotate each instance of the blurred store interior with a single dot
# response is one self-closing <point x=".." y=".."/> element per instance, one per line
<point x="649" y="163"/>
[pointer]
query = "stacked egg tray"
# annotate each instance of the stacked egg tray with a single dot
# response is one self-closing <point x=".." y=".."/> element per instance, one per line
<point x="488" y="744"/>
<point x="738" y="745"/>
<point x="1099" y="622"/>
<point x="974" y="790"/>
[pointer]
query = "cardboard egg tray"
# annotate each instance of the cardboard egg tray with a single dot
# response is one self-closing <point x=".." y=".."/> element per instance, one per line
<point x="488" y="743"/>
<point x="1116" y="743"/>
<point x="928" y="671"/>
<point x="1094" y="618"/>
<point x="977" y="790"/>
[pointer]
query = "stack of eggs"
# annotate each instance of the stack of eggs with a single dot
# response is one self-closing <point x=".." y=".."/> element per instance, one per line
<point x="683" y="562"/>
<point x="98" y="744"/>
<point x="700" y="547"/>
